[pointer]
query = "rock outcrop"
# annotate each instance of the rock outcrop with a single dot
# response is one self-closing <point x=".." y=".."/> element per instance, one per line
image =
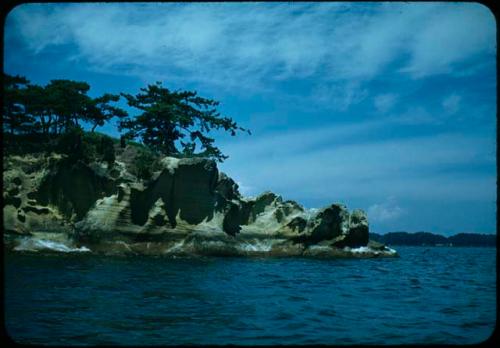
<point x="187" y="207"/>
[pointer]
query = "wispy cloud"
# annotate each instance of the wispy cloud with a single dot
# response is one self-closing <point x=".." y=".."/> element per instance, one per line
<point x="339" y="96"/>
<point x="451" y="104"/>
<point x="244" y="189"/>
<point x="384" y="102"/>
<point x="385" y="211"/>
<point x="253" y="44"/>
<point x="335" y="164"/>
<point x="417" y="115"/>
<point x="348" y="102"/>
<point x="450" y="36"/>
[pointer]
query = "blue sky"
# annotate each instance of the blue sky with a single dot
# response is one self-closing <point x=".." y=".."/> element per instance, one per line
<point x="387" y="107"/>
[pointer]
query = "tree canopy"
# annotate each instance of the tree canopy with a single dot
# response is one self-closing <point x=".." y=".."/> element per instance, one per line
<point x="99" y="110"/>
<point x="14" y="115"/>
<point x="174" y="123"/>
<point x="54" y="108"/>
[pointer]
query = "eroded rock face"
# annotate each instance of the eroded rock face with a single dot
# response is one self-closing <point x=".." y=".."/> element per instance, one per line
<point x="187" y="206"/>
<point x="73" y="188"/>
<point x="186" y="189"/>
<point x="193" y="195"/>
<point x="358" y="229"/>
<point x="227" y="188"/>
<point x="23" y="214"/>
<point x="329" y="223"/>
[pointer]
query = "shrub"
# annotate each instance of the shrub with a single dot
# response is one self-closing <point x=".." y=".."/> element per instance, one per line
<point x="73" y="144"/>
<point x="107" y="150"/>
<point x="145" y="163"/>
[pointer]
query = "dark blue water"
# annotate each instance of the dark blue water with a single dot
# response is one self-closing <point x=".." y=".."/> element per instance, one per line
<point x="428" y="295"/>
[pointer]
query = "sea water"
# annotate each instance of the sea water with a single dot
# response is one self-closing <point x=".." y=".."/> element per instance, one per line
<point x="427" y="295"/>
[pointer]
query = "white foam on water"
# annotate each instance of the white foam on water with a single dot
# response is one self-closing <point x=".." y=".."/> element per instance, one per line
<point x="368" y="250"/>
<point x="390" y="251"/>
<point x="32" y="244"/>
<point x="319" y="247"/>
<point x="360" y="250"/>
<point x="177" y="247"/>
<point x="263" y="246"/>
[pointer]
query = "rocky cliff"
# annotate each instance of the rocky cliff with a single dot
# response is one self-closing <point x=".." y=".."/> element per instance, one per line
<point x="186" y="207"/>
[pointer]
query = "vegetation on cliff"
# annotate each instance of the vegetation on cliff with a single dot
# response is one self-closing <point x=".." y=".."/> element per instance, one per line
<point x="169" y="117"/>
<point x="51" y="118"/>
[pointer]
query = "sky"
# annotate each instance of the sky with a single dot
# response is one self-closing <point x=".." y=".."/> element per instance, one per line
<point x="385" y="107"/>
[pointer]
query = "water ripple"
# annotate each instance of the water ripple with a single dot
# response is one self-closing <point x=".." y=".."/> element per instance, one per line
<point x="428" y="295"/>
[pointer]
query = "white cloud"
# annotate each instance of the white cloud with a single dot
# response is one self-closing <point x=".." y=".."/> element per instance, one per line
<point x="250" y="45"/>
<point x="245" y="190"/>
<point x="384" y="102"/>
<point x="386" y="211"/>
<point x="339" y="163"/>
<point x="338" y="96"/>
<point x="451" y="104"/>
<point x="416" y="115"/>
<point x="335" y="47"/>
<point x="419" y="115"/>
<point x="452" y="35"/>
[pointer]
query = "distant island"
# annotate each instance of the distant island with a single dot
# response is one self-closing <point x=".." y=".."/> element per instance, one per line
<point x="431" y="239"/>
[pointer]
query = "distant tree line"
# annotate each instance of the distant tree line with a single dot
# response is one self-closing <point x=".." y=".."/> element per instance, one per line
<point x="170" y="123"/>
<point x="431" y="239"/>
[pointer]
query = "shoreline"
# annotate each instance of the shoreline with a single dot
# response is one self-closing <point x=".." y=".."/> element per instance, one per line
<point x="56" y="243"/>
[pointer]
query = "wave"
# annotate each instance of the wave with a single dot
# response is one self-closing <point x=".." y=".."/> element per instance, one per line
<point x="47" y="242"/>
<point x="256" y="246"/>
<point x="35" y="245"/>
<point x="368" y="250"/>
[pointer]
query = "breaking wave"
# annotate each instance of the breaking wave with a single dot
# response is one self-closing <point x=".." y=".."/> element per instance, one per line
<point x="256" y="246"/>
<point x="47" y="242"/>
<point x="34" y="244"/>
<point x="368" y="250"/>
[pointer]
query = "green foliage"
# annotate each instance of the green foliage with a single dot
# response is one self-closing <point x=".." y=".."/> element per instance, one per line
<point x="47" y="118"/>
<point x="100" y="146"/>
<point x="136" y="144"/>
<point x="34" y="99"/>
<point x="107" y="149"/>
<point x="67" y="100"/>
<point x="54" y="108"/>
<point x="86" y="146"/>
<point x="99" y="111"/>
<point x="72" y="144"/>
<point x="22" y="143"/>
<point x="15" y="120"/>
<point x="145" y="163"/>
<point x="169" y="117"/>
